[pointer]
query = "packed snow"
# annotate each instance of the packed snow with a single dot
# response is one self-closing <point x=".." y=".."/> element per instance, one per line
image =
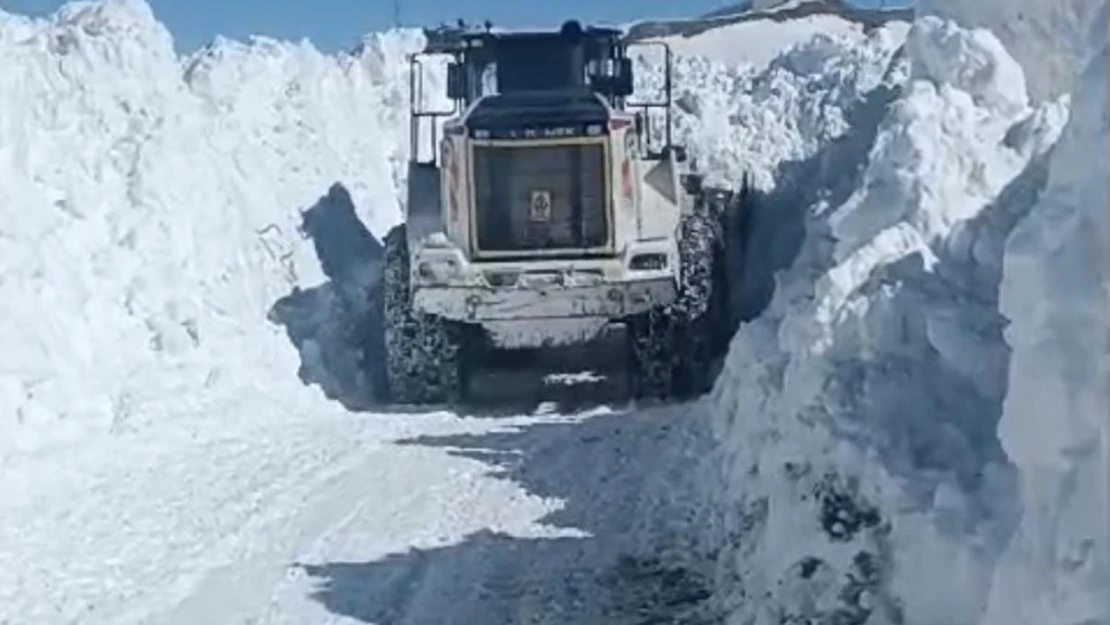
<point x="184" y="349"/>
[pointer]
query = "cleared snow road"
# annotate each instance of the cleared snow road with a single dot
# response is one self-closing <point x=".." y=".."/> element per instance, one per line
<point x="406" y="519"/>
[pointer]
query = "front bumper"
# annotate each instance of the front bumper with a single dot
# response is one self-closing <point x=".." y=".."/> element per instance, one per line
<point x="446" y="283"/>
<point x="604" y="300"/>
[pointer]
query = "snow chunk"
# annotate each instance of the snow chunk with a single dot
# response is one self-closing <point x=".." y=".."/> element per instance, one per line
<point x="949" y="176"/>
<point x="1046" y="38"/>
<point x="973" y="62"/>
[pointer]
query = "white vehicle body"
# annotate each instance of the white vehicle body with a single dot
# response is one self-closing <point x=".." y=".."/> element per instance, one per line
<point x="543" y="218"/>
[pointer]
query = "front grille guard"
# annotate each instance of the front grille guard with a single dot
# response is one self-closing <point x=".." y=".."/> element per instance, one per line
<point x="574" y="212"/>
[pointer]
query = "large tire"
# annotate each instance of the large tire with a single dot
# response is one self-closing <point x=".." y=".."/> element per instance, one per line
<point x="673" y="349"/>
<point x="425" y="355"/>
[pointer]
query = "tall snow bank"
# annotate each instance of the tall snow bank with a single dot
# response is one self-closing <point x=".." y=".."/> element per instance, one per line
<point x="861" y="478"/>
<point x="149" y="211"/>
<point x="1056" y="421"/>
<point x="1055" y="569"/>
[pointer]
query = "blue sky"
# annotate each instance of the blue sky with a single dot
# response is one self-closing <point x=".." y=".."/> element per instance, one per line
<point x="335" y="24"/>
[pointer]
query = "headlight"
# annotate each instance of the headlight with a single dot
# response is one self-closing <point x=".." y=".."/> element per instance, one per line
<point x="437" y="270"/>
<point x="648" y="262"/>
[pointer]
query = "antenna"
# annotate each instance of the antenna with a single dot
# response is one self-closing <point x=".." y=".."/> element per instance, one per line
<point x="396" y="13"/>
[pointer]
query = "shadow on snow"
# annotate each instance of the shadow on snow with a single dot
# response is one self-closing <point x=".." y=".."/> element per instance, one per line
<point x="334" y="325"/>
<point x="620" y="475"/>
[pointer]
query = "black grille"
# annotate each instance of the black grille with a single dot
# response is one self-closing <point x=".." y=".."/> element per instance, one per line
<point x="540" y="197"/>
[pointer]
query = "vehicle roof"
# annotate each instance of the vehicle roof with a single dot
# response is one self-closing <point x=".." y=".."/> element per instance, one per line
<point x="590" y="31"/>
<point x="450" y="39"/>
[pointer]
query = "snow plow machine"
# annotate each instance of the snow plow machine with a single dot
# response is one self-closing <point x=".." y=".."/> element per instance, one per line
<point x="544" y="216"/>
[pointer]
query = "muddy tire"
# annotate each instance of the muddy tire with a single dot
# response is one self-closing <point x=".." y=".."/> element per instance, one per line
<point x="425" y="355"/>
<point x="673" y="350"/>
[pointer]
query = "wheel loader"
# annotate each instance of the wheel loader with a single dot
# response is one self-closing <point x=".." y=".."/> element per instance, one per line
<point x="543" y="211"/>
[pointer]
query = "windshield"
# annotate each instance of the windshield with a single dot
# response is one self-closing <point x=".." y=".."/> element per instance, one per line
<point x="540" y="63"/>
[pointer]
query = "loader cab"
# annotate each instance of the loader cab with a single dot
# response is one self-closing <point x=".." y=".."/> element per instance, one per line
<point x="571" y="61"/>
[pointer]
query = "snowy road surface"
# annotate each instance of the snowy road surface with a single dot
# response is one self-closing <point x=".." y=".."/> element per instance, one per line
<point x="404" y="519"/>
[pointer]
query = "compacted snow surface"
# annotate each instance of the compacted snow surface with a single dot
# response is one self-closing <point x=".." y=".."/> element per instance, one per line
<point x="187" y="434"/>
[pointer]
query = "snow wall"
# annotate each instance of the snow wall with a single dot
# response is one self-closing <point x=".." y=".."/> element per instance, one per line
<point x="862" y="479"/>
<point x="150" y="213"/>
<point x="1056" y="420"/>
<point x="885" y="458"/>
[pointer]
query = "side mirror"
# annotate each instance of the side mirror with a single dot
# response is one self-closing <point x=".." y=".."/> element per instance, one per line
<point x="456" y="82"/>
<point x="622" y="81"/>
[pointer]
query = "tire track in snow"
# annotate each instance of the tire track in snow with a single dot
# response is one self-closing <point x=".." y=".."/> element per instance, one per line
<point x="398" y="496"/>
<point x="589" y="560"/>
<point x="504" y="520"/>
<point x="257" y="561"/>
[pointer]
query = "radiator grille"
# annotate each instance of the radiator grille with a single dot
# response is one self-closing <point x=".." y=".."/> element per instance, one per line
<point x="540" y="197"/>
